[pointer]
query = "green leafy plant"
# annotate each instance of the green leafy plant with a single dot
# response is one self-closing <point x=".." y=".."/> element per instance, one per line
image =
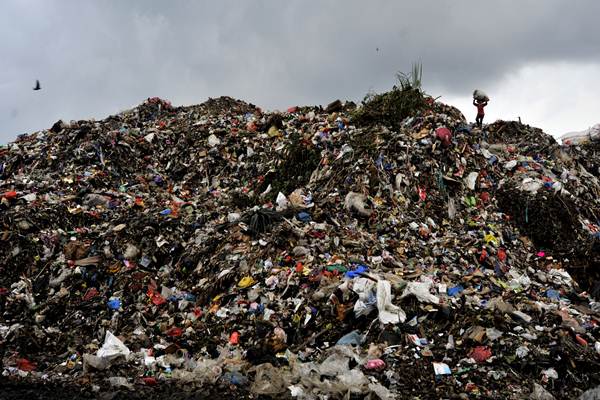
<point x="390" y="108"/>
<point x="412" y="80"/>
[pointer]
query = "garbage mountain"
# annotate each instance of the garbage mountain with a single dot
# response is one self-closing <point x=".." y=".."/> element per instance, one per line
<point x="389" y="250"/>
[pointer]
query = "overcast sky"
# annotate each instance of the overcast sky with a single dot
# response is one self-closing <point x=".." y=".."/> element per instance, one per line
<point x="539" y="60"/>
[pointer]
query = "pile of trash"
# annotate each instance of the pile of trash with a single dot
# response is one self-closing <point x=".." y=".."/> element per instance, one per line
<point x="592" y="134"/>
<point x="297" y="254"/>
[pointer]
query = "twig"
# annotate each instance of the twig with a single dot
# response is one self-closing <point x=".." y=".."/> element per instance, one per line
<point x="310" y="339"/>
<point x="287" y="285"/>
<point x="40" y="273"/>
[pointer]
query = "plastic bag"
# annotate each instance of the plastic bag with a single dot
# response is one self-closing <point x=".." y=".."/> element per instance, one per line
<point x="356" y="201"/>
<point x="120" y="382"/>
<point x="282" y="202"/>
<point x="451" y="208"/>
<point x="471" y="180"/>
<point x="112" y="347"/>
<point x="421" y="291"/>
<point x="353" y="338"/>
<point x="268" y="380"/>
<point x="205" y="371"/>
<point x="381" y="391"/>
<point x="353" y="381"/>
<point x="334" y="365"/>
<point x="367" y="300"/>
<point x="388" y="313"/>
<point x="480" y="95"/>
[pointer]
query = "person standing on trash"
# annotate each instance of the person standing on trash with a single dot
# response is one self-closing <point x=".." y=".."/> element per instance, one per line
<point x="480" y="100"/>
<point x="480" y="112"/>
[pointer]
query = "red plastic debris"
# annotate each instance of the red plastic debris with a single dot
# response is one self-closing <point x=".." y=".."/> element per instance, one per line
<point x="317" y="234"/>
<point x="251" y="127"/>
<point x="175" y="332"/>
<point x="471" y="388"/>
<point x="25" y="365"/>
<point x="422" y="194"/>
<point x="581" y="340"/>
<point x="10" y="195"/>
<point x="234" y="338"/>
<point x="502" y="255"/>
<point x="150" y="380"/>
<point x="157" y="299"/>
<point x="485" y="197"/>
<point x="444" y="135"/>
<point x="90" y="294"/>
<point x="483" y="255"/>
<point x="480" y="353"/>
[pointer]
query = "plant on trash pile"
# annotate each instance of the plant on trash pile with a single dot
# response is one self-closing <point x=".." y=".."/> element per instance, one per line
<point x="390" y="108"/>
<point x="414" y="79"/>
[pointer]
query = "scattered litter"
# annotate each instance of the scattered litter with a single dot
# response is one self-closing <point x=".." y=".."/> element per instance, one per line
<point x="312" y="253"/>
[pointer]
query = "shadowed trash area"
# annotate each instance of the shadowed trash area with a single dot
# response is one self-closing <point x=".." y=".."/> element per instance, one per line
<point x="17" y="389"/>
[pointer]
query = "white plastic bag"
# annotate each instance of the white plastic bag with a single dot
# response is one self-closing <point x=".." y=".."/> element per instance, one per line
<point x="421" y="291"/>
<point x="111" y="350"/>
<point x="388" y="313"/>
<point x="471" y="180"/>
<point x="480" y="95"/>
<point x="112" y="347"/>
<point x="282" y="202"/>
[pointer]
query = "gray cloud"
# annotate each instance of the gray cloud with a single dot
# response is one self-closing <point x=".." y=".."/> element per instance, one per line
<point x="96" y="58"/>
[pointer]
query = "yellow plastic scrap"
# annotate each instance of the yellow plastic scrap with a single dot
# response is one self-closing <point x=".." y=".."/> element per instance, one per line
<point x="490" y="238"/>
<point x="114" y="268"/>
<point x="421" y="134"/>
<point x="500" y="283"/>
<point x="245" y="282"/>
<point x="273" y="131"/>
<point x="306" y="271"/>
<point x="378" y="201"/>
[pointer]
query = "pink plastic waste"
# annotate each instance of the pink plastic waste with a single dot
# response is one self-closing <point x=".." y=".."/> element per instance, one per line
<point x="375" y="364"/>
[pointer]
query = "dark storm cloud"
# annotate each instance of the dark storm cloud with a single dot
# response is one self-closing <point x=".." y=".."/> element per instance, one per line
<point x="96" y="58"/>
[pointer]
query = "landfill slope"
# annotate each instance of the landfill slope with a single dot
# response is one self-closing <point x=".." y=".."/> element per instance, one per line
<point x="312" y="253"/>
